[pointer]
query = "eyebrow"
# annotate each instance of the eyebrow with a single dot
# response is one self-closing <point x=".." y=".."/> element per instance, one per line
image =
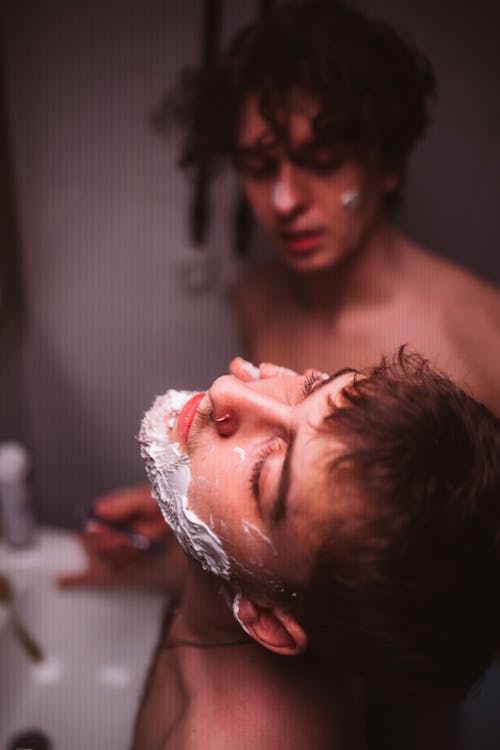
<point x="264" y="147"/>
<point x="256" y="146"/>
<point x="338" y="374"/>
<point x="280" y="505"/>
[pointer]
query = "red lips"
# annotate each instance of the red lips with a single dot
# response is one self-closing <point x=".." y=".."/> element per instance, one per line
<point x="301" y="241"/>
<point x="186" y="416"/>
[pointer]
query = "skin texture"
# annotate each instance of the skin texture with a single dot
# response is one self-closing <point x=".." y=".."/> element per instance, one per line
<point x="361" y="288"/>
<point x="264" y="421"/>
<point x="316" y="208"/>
<point x="273" y="702"/>
<point x="262" y="416"/>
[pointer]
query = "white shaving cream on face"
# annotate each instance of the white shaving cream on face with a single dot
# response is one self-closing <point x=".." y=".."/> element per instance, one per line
<point x="241" y="453"/>
<point x="236" y="612"/>
<point x="250" y="527"/>
<point x="168" y="469"/>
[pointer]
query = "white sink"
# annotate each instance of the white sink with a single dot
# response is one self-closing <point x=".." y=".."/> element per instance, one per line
<point x="97" y="645"/>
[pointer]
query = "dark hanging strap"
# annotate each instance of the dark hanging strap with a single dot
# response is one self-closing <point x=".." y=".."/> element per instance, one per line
<point x="12" y="292"/>
<point x="200" y="207"/>
<point x="242" y="215"/>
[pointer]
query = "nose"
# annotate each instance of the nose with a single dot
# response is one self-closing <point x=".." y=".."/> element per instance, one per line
<point x="246" y="406"/>
<point x="288" y="197"/>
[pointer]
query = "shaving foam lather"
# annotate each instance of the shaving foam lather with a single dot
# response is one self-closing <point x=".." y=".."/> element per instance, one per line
<point x="169" y="471"/>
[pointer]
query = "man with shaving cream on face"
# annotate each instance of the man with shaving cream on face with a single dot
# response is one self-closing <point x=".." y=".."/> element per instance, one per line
<point x="211" y="685"/>
<point x="350" y="522"/>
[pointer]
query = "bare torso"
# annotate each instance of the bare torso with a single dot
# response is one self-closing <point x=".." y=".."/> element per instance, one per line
<point x="436" y="308"/>
<point x="241" y="696"/>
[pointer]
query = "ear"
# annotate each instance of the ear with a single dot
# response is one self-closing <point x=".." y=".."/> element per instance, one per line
<point x="393" y="178"/>
<point x="272" y="627"/>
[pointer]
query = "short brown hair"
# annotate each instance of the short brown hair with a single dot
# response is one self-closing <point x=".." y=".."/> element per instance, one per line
<point x="406" y="590"/>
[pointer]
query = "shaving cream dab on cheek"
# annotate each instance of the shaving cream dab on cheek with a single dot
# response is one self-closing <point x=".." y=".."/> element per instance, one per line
<point x="168" y="469"/>
<point x="241" y="453"/>
<point x="250" y="528"/>
<point x="350" y="199"/>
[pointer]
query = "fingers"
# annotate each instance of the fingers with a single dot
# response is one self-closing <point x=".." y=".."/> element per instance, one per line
<point x="89" y="577"/>
<point x="122" y="532"/>
<point x="75" y="579"/>
<point x="246" y="371"/>
<point x="107" y="546"/>
<point x="143" y="570"/>
<point x="270" y="370"/>
<point x="108" y="561"/>
<point x="243" y="370"/>
<point x="125" y="526"/>
<point x="132" y="508"/>
<point x="315" y="373"/>
<point x="123" y="504"/>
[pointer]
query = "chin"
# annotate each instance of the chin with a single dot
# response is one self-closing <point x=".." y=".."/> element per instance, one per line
<point x="312" y="264"/>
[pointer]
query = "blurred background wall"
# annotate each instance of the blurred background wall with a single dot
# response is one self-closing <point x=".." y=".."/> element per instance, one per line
<point x="111" y="317"/>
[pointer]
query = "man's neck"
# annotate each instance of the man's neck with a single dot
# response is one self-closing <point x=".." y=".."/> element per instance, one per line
<point x="367" y="277"/>
<point x="203" y="613"/>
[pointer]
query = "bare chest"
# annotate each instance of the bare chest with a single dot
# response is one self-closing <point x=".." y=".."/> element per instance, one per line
<point x="300" y="339"/>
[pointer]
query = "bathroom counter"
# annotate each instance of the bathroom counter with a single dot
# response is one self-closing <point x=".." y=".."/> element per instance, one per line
<point x="97" y="644"/>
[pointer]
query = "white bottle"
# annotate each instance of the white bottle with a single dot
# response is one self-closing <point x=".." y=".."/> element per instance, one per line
<point x="18" y="524"/>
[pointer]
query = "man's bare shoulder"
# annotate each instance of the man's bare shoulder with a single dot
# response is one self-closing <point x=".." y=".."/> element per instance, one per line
<point x="444" y="279"/>
<point x="469" y="305"/>
<point x="466" y="313"/>
<point x="269" y="709"/>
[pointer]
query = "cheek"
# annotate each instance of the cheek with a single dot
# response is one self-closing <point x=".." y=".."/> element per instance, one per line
<point x="220" y="494"/>
<point x="259" y="198"/>
<point x="218" y="488"/>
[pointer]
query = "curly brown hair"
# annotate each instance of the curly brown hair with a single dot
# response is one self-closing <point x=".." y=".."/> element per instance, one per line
<point x="373" y="87"/>
<point x="406" y="589"/>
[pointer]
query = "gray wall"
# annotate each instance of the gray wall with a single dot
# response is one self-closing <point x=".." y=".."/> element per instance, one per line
<point x="102" y="214"/>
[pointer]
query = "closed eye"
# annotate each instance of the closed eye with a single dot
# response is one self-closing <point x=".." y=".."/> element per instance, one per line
<point x="317" y="380"/>
<point x="276" y="445"/>
<point x="310" y="384"/>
